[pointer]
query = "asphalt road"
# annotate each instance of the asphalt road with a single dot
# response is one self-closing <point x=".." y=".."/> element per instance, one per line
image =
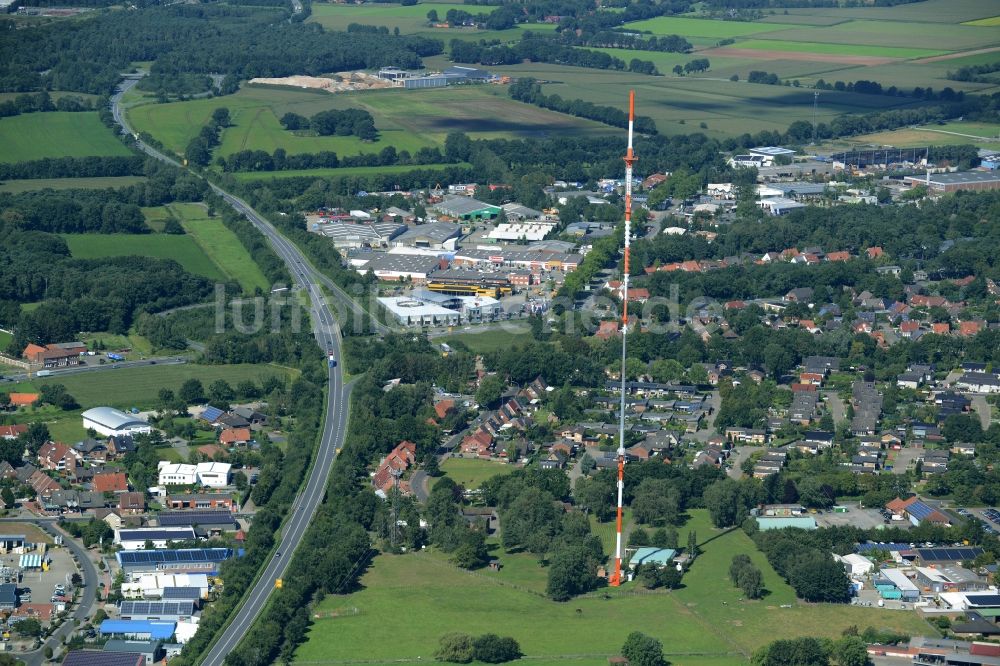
<point x="87" y="598"/>
<point x="327" y="333"/>
<point x="111" y="365"/>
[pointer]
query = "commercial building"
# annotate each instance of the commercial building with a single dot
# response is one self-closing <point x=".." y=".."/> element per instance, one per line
<point x="157" y="585"/>
<point x="204" y="521"/>
<point x="535" y="260"/>
<point x="467" y="208"/>
<point x="952" y="182"/>
<point x="346" y="234"/>
<point x="428" y="81"/>
<point x="105" y="658"/>
<point x="894" y="584"/>
<point x="779" y="205"/>
<point x="410" y="311"/>
<point x="181" y="560"/>
<point x="462" y="74"/>
<point x="169" y="611"/>
<point x="436" y="235"/>
<point x="152" y="651"/>
<point x="413" y="267"/>
<point x="142" y="630"/>
<point x="110" y="422"/>
<point x="135" y="539"/>
<point x="534" y="231"/>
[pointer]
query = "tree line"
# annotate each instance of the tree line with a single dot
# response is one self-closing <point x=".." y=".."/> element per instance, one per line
<point x="975" y="73"/>
<point x="199" y="149"/>
<point x="41" y="102"/>
<point x="538" y="47"/>
<point x="528" y="91"/>
<point x="346" y="122"/>
<point x="74" y="167"/>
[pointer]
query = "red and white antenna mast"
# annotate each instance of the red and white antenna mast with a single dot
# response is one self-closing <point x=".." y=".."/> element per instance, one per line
<point x="616" y="576"/>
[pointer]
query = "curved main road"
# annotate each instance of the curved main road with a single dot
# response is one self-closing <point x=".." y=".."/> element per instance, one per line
<point x="327" y="334"/>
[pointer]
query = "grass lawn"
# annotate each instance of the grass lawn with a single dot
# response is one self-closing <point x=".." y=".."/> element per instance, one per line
<point x="608" y="531"/>
<point x="346" y="171"/>
<point x="694" y="27"/>
<point x="222" y="246"/>
<point x="156" y="217"/>
<point x="32" y="136"/>
<point x="491" y="339"/>
<point x="138" y="387"/>
<point x="5" y="339"/>
<point x="993" y="21"/>
<point x="182" y="248"/>
<point x="914" y="138"/>
<point x="97" y="183"/>
<point x="695" y="626"/>
<point x="471" y="473"/>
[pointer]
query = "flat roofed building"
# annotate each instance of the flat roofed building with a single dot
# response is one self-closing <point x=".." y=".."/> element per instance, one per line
<point x="152" y="651"/>
<point x="409" y="311"/>
<point x="400" y="266"/>
<point x="436" y="235"/>
<point x="104" y="658"/>
<point x="952" y="182"/>
<point x="135" y="539"/>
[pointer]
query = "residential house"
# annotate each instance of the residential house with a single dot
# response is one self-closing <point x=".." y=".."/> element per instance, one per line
<point x="57" y="456"/>
<point x="111" y="482"/>
<point x="200" y="501"/>
<point x="12" y="431"/>
<point x="131" y="503"/>
<point x="393" y="466"/>
<point x="235" y="437"/>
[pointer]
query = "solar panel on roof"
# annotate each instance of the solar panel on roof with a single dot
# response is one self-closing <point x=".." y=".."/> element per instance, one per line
<point x="174" y="556"/>
<point x="983" y="599"/>
<point x="101" y="658"/>
<point x="156" y="608"/>
<point x="948" y="554"/>
<point x="211" y="413"/>
<point x="211" y="517"/>
<point x="181" y="593"/>
<point x="919" y="510"/>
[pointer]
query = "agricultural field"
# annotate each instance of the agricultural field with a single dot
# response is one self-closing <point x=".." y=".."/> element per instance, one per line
<point x="137" y="387"/>
<point x="32" y="136"/>
<point x="96" y="183"/>
<point x="222" y="246"/>
<point x="703" y="624"/>
<point x="992" y="22"/>
<point x="831" y="48"/>
<point x="471" y="472"/>
<point x="930" y="11"/>
<point x="406" y="119"/>
<point x="925" y="136"/>
<point x="340" y="172"/>
<point x="679" y="105"/>
<point x="182" y="249"/>
<point x="694" y="27"/>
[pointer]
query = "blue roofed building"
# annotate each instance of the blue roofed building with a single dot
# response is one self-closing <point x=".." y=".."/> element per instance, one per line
<point x="765" y="523"/>
<point x="661" y="557"/>
<point x="142" y="630"/>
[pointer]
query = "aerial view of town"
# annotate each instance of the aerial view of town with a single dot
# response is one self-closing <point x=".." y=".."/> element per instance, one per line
<point x="551" y="332"/>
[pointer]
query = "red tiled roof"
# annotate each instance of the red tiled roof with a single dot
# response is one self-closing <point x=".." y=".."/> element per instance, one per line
<point x="234" y="435"/>
<point x="12" y="431"/>
<point x="110" y="483"/>
<point x="23" y="399"/>
<point x="442" y="408"/>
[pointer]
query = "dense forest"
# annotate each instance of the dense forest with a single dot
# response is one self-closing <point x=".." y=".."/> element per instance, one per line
<point x="188" y="41"/>
<point x="538" y="47"/>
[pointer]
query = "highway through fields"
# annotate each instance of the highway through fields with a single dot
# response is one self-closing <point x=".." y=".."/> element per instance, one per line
<point x="327" y="333"/>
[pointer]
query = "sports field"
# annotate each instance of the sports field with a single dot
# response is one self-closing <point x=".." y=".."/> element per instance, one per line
<point x="406" y="119"/>
<point x="471" y="472"/>
<point x="182" y="249"/>
<point x="222" y="246"/>
<point x="704" y="623"/>
<point x="32" y="136"/>
<point x="346" y="171"/>
<point x="138" y="387"/>
<point x="96" y="183"/>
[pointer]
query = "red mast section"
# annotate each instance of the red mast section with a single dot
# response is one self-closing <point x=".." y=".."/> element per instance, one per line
<point x="616" y="576"/>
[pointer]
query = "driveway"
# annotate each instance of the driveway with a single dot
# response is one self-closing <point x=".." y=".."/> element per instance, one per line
<point x="983" y="409"/>
<point x="904" y="459"/>
<point x="740" y="453"/>
<point x="836" y="406"/>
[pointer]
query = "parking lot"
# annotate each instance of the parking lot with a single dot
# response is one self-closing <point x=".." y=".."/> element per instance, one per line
<point x="855" y="516"/>
<point x="989" y="517"/>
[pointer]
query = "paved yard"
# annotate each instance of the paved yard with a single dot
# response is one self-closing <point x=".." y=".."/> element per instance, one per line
<point x="855" y="516"/>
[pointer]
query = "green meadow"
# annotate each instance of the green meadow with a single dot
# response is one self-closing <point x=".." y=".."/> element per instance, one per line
<point x="471" y="472"/>
<point x="95" y="183"/>
<point x="705" y="623"/>
<point x="181" y="248"/>
<point x="222" y="246"/>
<point x="33" y="136"/>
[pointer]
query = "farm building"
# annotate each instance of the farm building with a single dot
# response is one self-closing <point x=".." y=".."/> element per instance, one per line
<point x="110" y="422"/>
<point x="952" y="182"/>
